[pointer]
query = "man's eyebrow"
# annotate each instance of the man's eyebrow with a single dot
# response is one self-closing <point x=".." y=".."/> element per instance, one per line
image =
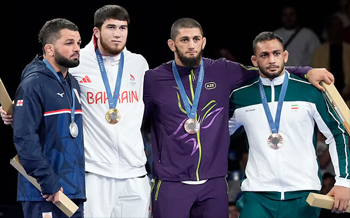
<point x="187" y="37"/>
<point x="266" y="52"/>
<point x="72" y="40"/>
<point x="114" y="25"/>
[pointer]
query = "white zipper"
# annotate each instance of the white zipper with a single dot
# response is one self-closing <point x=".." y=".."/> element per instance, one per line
<point x="273" y="100"/>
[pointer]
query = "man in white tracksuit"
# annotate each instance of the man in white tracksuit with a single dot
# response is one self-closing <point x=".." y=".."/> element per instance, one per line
<point x="279" y="112"/>
<point x="116" y="181"/>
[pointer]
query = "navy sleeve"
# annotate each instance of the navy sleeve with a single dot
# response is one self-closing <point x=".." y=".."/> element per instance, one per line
<point x="28" y="127"/>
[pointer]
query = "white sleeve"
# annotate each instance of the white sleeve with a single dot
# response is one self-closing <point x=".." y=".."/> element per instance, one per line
<point x="233" y="125"/>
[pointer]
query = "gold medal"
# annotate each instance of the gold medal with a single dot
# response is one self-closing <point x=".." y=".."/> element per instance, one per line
<point x="275" y="141"/>
<point x="191" y="126"/>
<point x="113" y="116"/>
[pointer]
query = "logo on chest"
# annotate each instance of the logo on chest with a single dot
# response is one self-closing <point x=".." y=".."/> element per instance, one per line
<point x="132" y="80"/>
<point x="250" y="110"/>
<point x="210" y="85"/>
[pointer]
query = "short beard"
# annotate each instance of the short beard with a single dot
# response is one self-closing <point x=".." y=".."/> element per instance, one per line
<point x="111" y="50"/>
<point x="271" y="76"/>
<point x="65" y="62"/>
<point x="192" y="62"/>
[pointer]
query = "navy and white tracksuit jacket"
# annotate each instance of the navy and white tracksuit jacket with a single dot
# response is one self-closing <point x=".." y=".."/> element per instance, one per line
<point x="46" y="150"/>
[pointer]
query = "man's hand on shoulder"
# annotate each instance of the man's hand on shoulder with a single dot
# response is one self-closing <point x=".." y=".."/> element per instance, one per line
<point x="317" y="75"/>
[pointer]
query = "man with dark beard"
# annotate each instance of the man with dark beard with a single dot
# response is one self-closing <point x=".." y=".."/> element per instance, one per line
<point x="187" y="100"/>
<point x="111" y="82"/>
<point x="47" y="124"/>
<point x="279" y="112"/>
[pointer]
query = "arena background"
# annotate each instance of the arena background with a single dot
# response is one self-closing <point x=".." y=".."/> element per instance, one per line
<point x="233" y="24"/>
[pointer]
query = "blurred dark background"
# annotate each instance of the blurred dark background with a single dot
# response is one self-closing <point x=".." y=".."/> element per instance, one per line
<point x="230" y="24"/>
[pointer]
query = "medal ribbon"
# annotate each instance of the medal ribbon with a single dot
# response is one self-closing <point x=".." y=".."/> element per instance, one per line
<point x="48" y="65"/>
<point x="274" y="126"/>
<point x="112" y="100"/>
<point x="191" y="112"/>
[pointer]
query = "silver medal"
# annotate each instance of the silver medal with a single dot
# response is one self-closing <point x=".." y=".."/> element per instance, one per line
<point x="73" y="129"/>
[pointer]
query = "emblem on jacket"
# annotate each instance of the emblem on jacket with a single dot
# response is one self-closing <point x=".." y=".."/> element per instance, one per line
<point x="132" y="80"/>
<point x="60" y="94"/>
<point x="85" y="79"/>
<point x="19" y="102"/>
<point x="210" y="85"/>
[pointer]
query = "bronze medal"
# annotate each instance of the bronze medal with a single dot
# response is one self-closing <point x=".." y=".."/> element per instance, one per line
<point x="191" y="126"/>
<point x="275" y="141"/>
<point x="113" y="116"/>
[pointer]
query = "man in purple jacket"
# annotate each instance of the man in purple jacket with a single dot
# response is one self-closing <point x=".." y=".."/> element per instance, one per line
<point x="187" y="100"/>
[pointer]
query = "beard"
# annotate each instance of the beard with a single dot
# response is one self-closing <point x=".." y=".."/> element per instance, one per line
<point x="109" y="49"/>
<point x="191" y="62"/>
<point x="271" y="75"/>
<point x="65" y="62"/>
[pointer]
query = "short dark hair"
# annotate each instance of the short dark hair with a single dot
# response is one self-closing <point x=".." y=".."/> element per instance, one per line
<point x="50" y="32"/>
<point x="266" y="36"/>
<point x="106" y="12"/>
<point x="184" y="23"/>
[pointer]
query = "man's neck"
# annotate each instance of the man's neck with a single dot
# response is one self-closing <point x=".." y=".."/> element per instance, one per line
<point x="57" y="67"/>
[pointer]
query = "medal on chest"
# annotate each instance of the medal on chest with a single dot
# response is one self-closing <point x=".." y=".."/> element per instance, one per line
<point x="73" y="127"/>
<point x="113" y="115"/>
<point x="191" y="125"/>
<point x="275" y="140"/>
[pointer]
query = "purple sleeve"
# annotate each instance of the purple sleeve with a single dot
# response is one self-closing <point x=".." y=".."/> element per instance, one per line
<point x="147" y="94"/>
<point x="243" y="74"/>
<point x="240" y="74"/>
<point x="299" y="71"/>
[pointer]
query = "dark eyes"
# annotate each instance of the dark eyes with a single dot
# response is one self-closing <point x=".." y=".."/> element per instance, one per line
<point x="274" y="53"/>
<point x="121" y="27"/>
<point x="186" y="40"/>
<point x="71" y="43"/>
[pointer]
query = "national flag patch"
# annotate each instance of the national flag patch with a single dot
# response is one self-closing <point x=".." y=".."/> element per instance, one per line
<point x="294" y="107"/>
<point x="19" y="103"/>
<point x="47" y="215"/>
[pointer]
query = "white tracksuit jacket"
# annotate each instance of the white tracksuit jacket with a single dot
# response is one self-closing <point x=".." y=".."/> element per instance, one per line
<point x="115" y="151"/>
<point x="294" y="166"/>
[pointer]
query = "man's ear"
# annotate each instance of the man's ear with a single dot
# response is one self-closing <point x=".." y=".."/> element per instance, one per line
<point x="49" y="50"/>
<point x="96" y="32"/>
<point x="204" y="42"/>
<point x="285" y="56"/>
<point x="254" y="61"/>
<point x="171" y="45"/>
